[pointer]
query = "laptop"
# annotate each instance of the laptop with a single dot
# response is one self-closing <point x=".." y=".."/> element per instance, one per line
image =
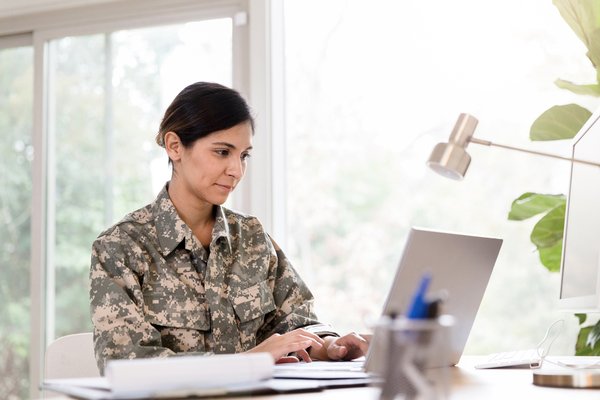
<point x="459" y="265"/>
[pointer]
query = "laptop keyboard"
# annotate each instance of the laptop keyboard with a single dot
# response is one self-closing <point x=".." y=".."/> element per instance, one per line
<point x="528" y="358"/>
<point x="323" y="366"/>
<point x="321" y="370"/>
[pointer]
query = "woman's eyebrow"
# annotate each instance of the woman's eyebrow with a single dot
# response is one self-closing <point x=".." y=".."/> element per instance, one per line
<point x="229" y="145"/>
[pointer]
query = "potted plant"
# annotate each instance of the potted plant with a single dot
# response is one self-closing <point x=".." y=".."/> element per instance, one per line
<point x="557" y="123"/>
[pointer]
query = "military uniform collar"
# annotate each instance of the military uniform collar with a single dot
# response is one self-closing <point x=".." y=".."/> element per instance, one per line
<point x="171" y="230"/>
<point x="221" y="228"/>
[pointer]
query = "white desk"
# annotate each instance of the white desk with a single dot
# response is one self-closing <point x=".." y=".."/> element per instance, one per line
<point x="467" y="383"/>
<point x="512" y="384"/>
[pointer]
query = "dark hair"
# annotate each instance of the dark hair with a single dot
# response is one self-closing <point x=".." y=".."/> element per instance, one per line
<point x="201" y="109"/>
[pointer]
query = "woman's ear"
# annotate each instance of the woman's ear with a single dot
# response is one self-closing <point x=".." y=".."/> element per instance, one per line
<point x="173" y="146"/>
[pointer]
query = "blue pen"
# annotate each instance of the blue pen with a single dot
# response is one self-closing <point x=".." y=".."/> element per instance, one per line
<point x="419" y="308"/>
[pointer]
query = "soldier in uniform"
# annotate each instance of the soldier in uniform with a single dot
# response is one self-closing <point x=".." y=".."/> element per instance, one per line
<point x="186" y="275"/>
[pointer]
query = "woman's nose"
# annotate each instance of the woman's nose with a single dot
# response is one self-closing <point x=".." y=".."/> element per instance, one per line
<point x="235" y="168"/>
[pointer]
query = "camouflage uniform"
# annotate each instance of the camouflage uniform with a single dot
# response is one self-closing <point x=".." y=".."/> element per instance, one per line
<point x="156" y="291"/>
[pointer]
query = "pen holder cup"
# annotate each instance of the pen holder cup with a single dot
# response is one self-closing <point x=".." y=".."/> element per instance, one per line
<point x="414" y="361"/>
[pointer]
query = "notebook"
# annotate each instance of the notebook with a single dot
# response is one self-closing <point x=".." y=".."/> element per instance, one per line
<point x="459" y="264"/>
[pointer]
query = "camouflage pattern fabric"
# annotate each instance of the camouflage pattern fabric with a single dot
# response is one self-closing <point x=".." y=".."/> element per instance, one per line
<point x="156" y="292"/>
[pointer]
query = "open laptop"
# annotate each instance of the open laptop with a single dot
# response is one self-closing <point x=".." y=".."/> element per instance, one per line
<point x="459" y="264"/>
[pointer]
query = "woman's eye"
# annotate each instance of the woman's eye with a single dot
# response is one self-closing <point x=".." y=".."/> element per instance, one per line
<point x="223" y="153"/>
<point x="246" y="156"/>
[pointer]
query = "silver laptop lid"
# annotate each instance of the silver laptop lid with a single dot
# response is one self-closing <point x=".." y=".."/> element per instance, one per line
<point x="459" y="264"/>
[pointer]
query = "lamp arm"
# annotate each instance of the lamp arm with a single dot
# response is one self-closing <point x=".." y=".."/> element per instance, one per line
<point x="539" y="153"/>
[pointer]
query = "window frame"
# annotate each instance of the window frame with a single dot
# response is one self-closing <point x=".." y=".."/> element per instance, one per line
<point x="256" y="74"/>
<point x="16" y="40"/>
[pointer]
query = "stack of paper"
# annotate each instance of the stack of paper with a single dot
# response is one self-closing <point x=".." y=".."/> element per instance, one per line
<point x="171" y="377"/>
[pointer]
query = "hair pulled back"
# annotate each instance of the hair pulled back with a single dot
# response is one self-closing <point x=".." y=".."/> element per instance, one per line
<point x="201" y="109"/>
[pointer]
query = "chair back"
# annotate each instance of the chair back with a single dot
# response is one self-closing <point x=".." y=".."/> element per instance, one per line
<point x="71" y="356"/>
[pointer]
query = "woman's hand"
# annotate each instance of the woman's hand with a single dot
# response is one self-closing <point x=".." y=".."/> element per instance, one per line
<point x="347" y="347"/>
<point x="296" y="341"/>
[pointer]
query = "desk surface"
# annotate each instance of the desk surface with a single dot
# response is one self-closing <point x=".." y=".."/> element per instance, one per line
<point x="507" y="383"/>
<point x="470" y="383"/>
<point x="467" y="383"/>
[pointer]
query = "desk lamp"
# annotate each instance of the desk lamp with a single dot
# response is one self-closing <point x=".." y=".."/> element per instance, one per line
<point x="452" y="160"/>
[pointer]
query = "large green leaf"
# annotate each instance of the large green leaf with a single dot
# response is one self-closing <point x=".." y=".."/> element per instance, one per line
<point x="549" y="230"/>
<point x="559" y="122"/>
<point x="581" y="318"/>
<point x="583" y="16"/>
<point x="594" y="335"/>
<point x="588" y="343"/>
<point x="594" y="47"/>
<point x="575" y="13"/>
<point x="591" y="90"/>
<point x="550" y="257"/>
<point x="530" y="204"/>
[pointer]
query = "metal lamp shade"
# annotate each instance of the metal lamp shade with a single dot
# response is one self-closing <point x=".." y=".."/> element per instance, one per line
<point x="451" y="159"/>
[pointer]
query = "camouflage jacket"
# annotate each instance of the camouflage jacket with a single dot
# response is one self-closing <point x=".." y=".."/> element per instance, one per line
<point x="155" y="291"/>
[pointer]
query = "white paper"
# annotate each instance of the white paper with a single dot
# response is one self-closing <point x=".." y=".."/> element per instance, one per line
<point x="154" y="376"/>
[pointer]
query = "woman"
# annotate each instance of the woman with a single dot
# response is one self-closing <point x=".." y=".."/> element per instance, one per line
<point x="186" y="275"/>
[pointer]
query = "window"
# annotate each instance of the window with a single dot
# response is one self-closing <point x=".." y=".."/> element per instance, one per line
<point x="79" y="109"/>
<point x="108" y="94"/>
<point x="16" y="105"/>
<point x="370" y="88"/>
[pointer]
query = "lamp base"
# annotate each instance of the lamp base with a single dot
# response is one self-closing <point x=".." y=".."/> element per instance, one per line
<point x="567" y="379"/>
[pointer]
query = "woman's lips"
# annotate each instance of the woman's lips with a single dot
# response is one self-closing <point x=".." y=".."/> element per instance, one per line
<point x="228" y="188"/>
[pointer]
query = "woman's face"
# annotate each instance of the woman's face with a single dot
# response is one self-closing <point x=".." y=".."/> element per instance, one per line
<point x="213" y="166"/>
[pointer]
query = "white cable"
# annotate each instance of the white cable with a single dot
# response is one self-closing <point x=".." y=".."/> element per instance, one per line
<point x="543" y="353"/>
<point x="540" y="347"/>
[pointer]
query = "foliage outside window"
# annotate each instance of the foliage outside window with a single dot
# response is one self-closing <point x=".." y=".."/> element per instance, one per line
<point x="16" y="104"/>
<point x="107" y="94"/>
